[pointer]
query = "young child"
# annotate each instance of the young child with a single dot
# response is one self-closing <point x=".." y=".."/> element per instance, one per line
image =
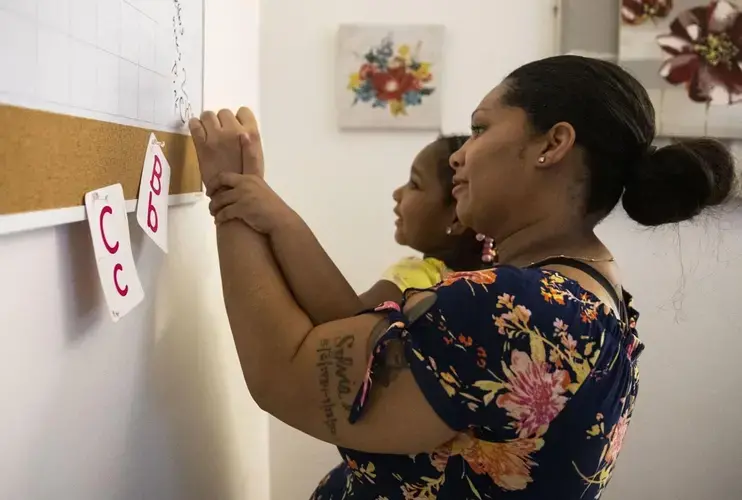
<point x="427" y="223"/>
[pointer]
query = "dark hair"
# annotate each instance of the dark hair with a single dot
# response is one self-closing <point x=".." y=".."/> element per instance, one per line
<point x="614" y="123"/>
<point x="448" y="145"/>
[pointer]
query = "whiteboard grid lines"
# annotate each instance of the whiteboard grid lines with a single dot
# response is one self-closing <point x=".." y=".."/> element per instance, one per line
<point x="109" y="60"/>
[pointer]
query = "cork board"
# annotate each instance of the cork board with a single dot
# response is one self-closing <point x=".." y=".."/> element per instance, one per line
<point x="50" y="160"/>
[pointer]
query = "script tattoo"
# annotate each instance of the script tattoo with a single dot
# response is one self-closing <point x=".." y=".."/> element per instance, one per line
<point x="343" y="364"/>
<point x="336" y="387"/>
<point x="324" y="363"/>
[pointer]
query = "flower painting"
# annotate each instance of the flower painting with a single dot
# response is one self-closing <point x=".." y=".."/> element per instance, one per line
<point x="688" y="54"/>
<point x="391" y="79"/>
<point x="388" y="77"/>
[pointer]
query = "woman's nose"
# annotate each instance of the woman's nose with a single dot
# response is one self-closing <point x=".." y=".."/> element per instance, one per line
<point x="456" y="160"/>
<point x="397" y="194"/>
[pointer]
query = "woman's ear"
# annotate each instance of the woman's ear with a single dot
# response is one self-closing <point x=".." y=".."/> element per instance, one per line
<point x="559" y="142"/>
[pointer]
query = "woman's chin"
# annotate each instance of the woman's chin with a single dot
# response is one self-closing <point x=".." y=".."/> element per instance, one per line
<point x="399" y="236"/>
<point x="463" y="213"/>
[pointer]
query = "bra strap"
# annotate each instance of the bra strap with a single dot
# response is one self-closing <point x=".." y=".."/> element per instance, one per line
<point x="593" y="273"/>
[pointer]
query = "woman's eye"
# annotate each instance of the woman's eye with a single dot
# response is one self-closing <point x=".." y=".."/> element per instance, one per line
<point x="476" y="130"/>
<point x="412" y="184"/>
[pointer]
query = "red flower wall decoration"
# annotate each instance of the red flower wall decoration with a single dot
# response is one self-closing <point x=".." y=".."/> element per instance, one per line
<point x="705" y="48"/>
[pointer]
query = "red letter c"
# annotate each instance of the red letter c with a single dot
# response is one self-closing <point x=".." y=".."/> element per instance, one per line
<point x="111" y="248"/>
<point x="116" y="270"/>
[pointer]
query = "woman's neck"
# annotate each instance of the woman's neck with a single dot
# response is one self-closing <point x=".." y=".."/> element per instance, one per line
<point x="459" y="260"/>
<point x="543" y="240"/>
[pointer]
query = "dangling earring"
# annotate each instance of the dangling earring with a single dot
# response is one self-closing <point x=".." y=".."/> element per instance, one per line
<point x="449" y="231"/>
<point x="488" y="248"/>
<point x="489" y="254"/>
<point x="542" y="159"/>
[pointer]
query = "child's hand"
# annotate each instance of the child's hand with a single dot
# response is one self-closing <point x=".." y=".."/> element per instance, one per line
<point x="229" y="143"/>
<point x="249" y="199"/>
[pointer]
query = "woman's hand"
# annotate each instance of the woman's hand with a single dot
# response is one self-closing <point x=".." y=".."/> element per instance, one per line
<point x="227" y="143"/>
<point x="249" y="199"/>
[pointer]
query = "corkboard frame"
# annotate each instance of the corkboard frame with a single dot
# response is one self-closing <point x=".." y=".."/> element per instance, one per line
<point x="48" y="161"/>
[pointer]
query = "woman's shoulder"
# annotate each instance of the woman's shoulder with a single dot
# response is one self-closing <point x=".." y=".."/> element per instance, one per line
<point x="539" y="294"/>
<point x="501" y="279"/>
<point x="497" y="330"/>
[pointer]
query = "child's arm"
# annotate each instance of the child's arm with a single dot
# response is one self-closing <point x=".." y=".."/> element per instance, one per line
<point x="301" y="258"/>
<point x="305" y="264"/>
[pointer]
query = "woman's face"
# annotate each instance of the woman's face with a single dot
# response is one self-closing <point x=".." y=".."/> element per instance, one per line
<point x="494" y="181"/>
<point x="422" y="212"/>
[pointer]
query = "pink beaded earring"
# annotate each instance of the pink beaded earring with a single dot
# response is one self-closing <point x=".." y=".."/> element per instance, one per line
<point x="488" y="248"/>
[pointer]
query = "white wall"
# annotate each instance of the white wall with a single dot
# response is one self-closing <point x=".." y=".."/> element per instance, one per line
<point x="153" y="407"/>
<point x="684" y="443"/>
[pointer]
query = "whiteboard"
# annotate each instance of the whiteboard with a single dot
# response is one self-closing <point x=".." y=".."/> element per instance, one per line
<point x="131" y="62"/>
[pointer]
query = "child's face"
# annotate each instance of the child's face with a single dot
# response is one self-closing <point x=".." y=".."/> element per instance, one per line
<point x="422" y="212"/>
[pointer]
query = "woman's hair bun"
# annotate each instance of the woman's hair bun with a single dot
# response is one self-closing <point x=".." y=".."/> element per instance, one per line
<point x="677" y="182"/>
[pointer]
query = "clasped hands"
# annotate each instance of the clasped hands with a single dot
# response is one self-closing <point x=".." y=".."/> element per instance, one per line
<point x="230" y="158"/>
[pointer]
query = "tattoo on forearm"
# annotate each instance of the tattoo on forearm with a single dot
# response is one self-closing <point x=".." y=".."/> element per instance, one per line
<point x="336" y="386"/>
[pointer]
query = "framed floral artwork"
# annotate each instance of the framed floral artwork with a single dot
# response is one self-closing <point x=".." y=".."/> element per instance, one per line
<point x="388" y="77"/>
<point x="688" y="54"/>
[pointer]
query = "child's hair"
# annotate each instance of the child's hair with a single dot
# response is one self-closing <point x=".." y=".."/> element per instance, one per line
<point x="466" y="253"/>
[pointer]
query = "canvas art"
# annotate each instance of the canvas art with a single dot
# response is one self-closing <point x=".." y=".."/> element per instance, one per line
<point x="388" y="77"/>
<point x="688" y="54"/>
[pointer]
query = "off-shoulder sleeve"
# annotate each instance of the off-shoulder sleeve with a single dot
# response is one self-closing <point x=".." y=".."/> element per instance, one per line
<point x="502" y="349"/>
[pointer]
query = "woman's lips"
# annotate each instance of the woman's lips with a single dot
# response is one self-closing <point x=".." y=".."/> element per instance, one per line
<point x="459" y="187"/>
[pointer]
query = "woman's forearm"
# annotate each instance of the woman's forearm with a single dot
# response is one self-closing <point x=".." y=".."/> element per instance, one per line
<point x="267" y="324"/>
<point x="317" y="284"/>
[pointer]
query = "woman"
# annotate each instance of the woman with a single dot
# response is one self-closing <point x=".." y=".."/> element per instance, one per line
<point x="518" y="382"/>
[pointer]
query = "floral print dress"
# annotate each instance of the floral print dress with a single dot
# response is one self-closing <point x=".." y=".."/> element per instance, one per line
<point x="538" y="377"/>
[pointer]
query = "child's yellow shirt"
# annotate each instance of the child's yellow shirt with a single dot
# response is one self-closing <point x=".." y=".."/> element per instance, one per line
<point x="414" y="272"/>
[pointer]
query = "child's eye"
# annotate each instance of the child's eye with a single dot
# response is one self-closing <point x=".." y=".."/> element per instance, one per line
<point x="476" y="130"/>
<point x="412" y="184"/>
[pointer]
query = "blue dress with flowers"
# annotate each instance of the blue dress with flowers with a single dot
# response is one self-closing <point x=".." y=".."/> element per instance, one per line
<point x="538" y="377"/>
